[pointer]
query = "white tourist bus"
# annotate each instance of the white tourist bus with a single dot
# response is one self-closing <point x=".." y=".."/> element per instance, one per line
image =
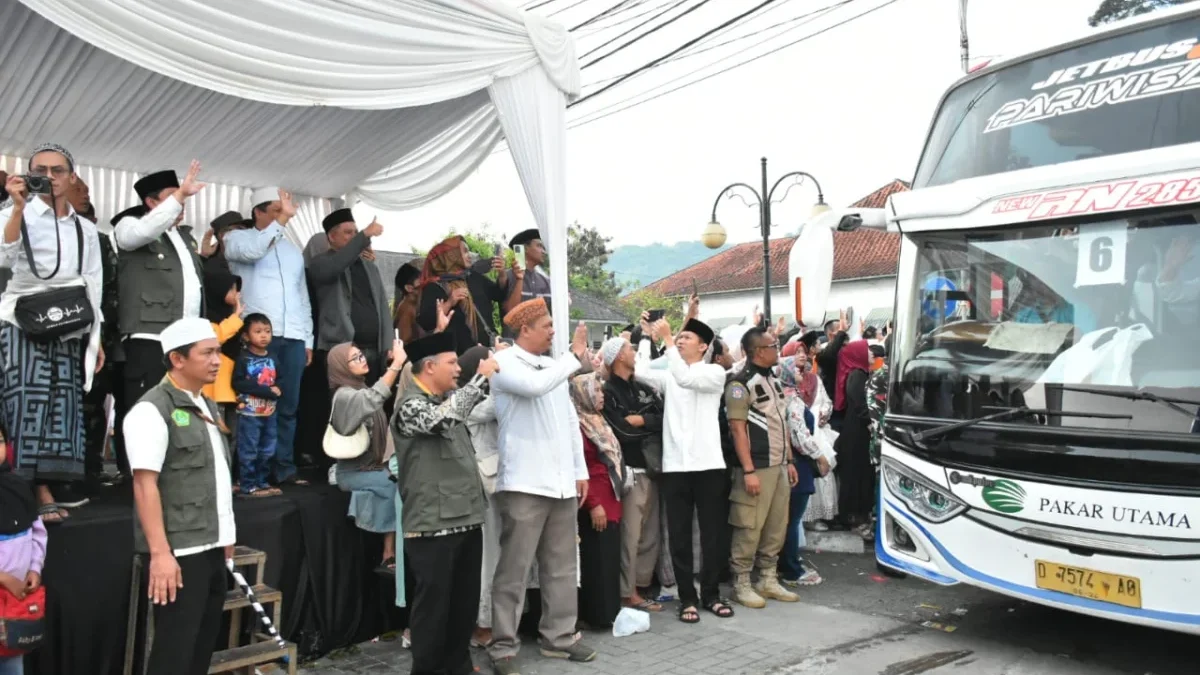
<point x="1041" y="436"/>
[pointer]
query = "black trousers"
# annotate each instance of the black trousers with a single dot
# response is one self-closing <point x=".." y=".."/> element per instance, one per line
<point x="444" y="602"/>
<point x="95" y="420"/>
<point x="705" y="494"/>
<point x="144" y="369"/>
<point x="185" y="631"/>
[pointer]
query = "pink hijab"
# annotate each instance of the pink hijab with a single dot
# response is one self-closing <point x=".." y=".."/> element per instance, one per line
<point x="854" y="356"/>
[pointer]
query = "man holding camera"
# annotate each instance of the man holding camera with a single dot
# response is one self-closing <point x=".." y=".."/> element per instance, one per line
<point x="49" y="324"/>
<point x="161" y="274"/>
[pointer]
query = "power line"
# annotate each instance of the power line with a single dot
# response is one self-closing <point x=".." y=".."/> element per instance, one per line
<point x="560" y="11"/>
<point x="582" y="122"/>
<point x="600" y="29"/>
<point x="801" y="18"/>
<point x="608" y="12"/>
<point x="671" y="53"/>
<point x="652" y="31"/>
<point x="602" y="46"/>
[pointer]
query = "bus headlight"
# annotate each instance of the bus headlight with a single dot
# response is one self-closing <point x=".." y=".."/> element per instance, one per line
<point x="925" y="499"/>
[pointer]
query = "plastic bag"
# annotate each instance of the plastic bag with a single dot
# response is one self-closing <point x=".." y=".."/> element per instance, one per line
<point x="630" y="621"/>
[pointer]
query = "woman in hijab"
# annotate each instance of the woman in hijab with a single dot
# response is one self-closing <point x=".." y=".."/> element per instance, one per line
<point x="856" y="476"/>
<point x="823" y="505"/>
<point x="600" y="515"/>
<point x="366" y="477"/>
<point x="443" y="283"/>
<point x="812" y="463"/>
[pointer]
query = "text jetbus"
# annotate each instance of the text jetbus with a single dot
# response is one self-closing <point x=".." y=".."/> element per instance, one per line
<point x="1041" y="436"/>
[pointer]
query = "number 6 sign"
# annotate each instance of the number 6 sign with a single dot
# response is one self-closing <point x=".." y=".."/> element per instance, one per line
<point x="1101" y="254"/>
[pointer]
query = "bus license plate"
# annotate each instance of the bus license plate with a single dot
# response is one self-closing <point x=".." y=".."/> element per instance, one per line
<point x="1085" y="583"/>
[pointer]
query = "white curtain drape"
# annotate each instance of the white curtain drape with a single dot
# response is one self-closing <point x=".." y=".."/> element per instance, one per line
<point x="532" y="111"/>
<point x="384" y="101"/>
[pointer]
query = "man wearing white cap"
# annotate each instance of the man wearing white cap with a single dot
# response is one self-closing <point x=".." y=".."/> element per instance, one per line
<point x="274" y="283"/>
<point x="183" y="498"/>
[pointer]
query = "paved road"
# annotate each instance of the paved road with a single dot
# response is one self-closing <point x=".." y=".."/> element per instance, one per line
<point x="856" y="623"/>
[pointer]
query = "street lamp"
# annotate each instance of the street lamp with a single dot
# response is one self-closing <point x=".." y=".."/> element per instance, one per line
<point x="714" y="233"/>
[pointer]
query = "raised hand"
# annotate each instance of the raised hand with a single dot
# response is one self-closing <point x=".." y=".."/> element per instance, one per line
<point x="444" y="312"/>
<point x="580" y="340"/>
<point x="693" y="309"/>
<point x="374" y="229"/>
<point x="399" y="356"/>
<point x="488" y="367"/>
<point x="17" y="191"/>
<point x="662" y="330"/>
<point x="287" y="207"/>
<point x="191" y="185"/>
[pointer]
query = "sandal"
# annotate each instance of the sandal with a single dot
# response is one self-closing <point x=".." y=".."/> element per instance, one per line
<point x="647" y="606"/>
<point x="719" y="607"/>
<point x="689" y="614"/>
<point x="52" y="513"/>
<point x="388" y="566"/>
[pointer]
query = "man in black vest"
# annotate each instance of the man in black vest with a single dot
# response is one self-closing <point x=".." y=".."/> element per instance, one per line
<point x="161" y="276"/>
<point x="183" y="498"/>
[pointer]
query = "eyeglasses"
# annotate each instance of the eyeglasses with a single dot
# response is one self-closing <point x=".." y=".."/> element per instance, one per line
<point x="773" y="346"/>
<point x="59" y="170"/>
<point x="358" y="358"/>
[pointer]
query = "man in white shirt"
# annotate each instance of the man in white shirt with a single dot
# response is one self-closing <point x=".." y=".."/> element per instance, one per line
<point x="160" y="274"/>
<point x="541" y="483"/>
<point x="695" y="479"/>
<point x="183" y="499"/>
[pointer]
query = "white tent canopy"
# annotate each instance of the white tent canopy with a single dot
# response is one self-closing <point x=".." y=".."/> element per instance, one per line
<point x="388" y="102"/>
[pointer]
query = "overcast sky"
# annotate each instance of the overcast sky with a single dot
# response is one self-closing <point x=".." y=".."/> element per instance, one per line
<point x="850" y="106"/>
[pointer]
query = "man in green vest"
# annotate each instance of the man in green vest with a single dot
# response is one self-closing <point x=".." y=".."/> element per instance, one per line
<point x="444" y="504"/>
<point x="183" y="499"/>
<point x="160" y="274"/>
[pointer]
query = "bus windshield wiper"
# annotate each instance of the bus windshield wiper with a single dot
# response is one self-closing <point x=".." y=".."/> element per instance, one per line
<point x="1006" y="414"/>
<point x="1140" y="395"/>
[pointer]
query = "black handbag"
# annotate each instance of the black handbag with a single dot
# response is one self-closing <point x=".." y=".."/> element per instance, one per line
<point x="49" y="315"/>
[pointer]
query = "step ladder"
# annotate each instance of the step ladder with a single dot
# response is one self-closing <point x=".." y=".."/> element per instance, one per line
<point x="263" y="653"/>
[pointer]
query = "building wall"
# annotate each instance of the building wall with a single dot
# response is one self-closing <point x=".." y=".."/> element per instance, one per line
<point x="863" y="295"/>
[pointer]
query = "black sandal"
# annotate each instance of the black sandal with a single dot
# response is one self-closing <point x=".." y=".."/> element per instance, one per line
<point x="719" y="607"/>
<point x="689" y="614"/>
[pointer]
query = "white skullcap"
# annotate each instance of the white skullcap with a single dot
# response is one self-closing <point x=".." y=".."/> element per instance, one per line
<point x="185" y="332"/>
<point x="263" y="195"/>
<point x="611" y="347"/>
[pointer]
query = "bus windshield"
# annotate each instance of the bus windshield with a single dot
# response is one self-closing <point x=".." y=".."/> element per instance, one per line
<point x="1129" y="92"/>
<point x="1021" y="316"/>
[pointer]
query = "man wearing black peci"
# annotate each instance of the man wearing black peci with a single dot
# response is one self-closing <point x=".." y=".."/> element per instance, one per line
<point x="444" y="504"/>
<point x="161" y="274"/>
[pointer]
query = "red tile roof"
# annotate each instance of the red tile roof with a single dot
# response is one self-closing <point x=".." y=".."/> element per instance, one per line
<point x="856" y="255"/>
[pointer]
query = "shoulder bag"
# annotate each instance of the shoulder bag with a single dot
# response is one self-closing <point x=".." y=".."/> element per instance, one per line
<point x="22" y="622"/>
<point x="51" y="314"/>
<point x="338" y="446"/>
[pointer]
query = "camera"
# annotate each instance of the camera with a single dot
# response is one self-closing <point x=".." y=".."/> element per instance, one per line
<point x="37" y="185"/>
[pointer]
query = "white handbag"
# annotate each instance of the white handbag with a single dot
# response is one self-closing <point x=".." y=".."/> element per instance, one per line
<point x="338" y="446"/>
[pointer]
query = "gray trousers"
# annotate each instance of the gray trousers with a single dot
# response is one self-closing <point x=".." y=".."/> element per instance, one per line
<point x="533" y="526"/>
<point x="639" y="534"/>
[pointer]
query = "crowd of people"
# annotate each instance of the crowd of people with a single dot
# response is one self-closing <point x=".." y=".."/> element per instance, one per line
<point x="488" y="466"/>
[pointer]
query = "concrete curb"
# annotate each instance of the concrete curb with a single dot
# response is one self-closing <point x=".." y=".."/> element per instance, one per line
<point x="834" y="542"/>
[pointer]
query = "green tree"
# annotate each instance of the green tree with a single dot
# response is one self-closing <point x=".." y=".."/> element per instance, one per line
<point x="642" y="299"/>
<point x="1117" y="10"/>
<point x="587" y="253"/>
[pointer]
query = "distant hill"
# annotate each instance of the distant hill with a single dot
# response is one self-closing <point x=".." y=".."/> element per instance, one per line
<point x="642" y="265"/>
